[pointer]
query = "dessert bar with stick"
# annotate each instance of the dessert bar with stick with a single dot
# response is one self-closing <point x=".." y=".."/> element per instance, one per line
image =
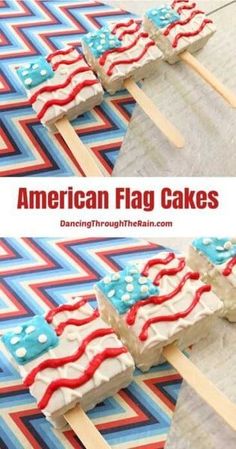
<point x="60" y="88"/>
<point x="121" y="54"/>
<point x="70" y="360"/>
<point x="157" y="307"/>
<point x="181" y="29"/>
<point x="215" y="259"/>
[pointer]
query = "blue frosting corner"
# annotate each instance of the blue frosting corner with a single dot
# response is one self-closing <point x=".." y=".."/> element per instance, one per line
<point x="124" y="288"/>
<point x="101" y="40"/>
<point x="217" y="250"/>
<point x="163" y="16"/>
<point x="35" y="73"/>
<point x="30" y="340"/>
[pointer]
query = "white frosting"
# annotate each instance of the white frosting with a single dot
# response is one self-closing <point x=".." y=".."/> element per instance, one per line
<point x="223" y="286"/>
<point x="136" y="70"/>
<point x="190" y="44"/>
<point x="112" y="375"/>
<point x="185" y="331"/>
<point x="84" y="101"/>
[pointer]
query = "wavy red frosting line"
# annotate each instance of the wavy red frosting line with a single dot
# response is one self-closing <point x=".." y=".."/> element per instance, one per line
<point x="175" y="2"/>
<point x="122" y="25"/>
<point x="56" y="363"/>
<point x="182" y="22"/>
<point x="144" y="333"/>
<point x="89" y="372"/>
<point x="131" y="315"/>
<point x="59" y="52"/>
<point x="103" y="58"/>
<point x="64" y="308"/>
<point x="54" y="87"/>
<point x="74" y="322"/>
<point x="67" y="62"/>
<point x="71" y="96"/>
<point x="170" y="271"/>
<point x="131" y="60"/>
<point x="191" y="33"/>
<point x="153" y="262"/>
<point x="135" y="30"/>
<point x="229" y="267"/>
<point x="186" y="7"/>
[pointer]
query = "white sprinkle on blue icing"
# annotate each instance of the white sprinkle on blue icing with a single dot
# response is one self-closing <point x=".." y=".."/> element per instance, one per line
<point x="217" y="250"/>
<point x="126" y="288"/>
<point x="101" y="41"/>
<point x="31" y="75"/>
<point x="162" y="16"/>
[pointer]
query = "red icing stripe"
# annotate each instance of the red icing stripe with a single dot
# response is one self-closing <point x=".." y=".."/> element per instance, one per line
<point x="103" y="58"/>
<point x="64" y="308"/>
<point x="229" y="267"/>
<point x="131" y="316"/>
<point x="138" y="26"/>
<point x="58" y="86"/>
<point x="60" y="329"/>
<point x="144" y="333"/>
<point x="182" y="22"/>
<point x="153" y="262"/>
<point x="170" y="271"/>
<point x="59" y="52"/>
<point x="67" y="62"/>
<point x="71" y="96"/>
<point x="56" y="363"/>
<point x="122" y="25"/>
<point x="178" y="1"/>
<point x="190" y="33"/>
<point x="131" y="60"/>
<point x="94" y="364"/>
<point x="186" y="7"/>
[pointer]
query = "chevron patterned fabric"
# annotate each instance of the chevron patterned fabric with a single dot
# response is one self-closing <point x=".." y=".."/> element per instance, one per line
<point x="29" y="28"/>
<point x="37" y="274"/>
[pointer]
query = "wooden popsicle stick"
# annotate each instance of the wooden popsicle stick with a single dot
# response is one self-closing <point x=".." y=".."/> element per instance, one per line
<point x="85" y="429"/>
<point x="224" y="91"/>
<point x="203" y="386"/>
<point x="78" y="149"/>
<point x="172" y="134"/>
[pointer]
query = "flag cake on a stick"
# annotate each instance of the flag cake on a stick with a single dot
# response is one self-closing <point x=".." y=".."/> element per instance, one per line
<point x="181" y="29"/>
<point x="60" y="88"/>
<point x="121" y="54"/>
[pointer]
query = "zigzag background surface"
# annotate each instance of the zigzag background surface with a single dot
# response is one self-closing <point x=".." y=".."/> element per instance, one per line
<point x="29" y="28"/>
<point x="37" y="274"/>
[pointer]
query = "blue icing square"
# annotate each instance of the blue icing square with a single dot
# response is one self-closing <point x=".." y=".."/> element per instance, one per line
<point x="217" y="250"/>
<point x="101" y="40"/>
<point x="30" y="340"/>
<point x="35" y="73"/>
<point x="124" y="288"/>
<point x="163" y="16"/>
